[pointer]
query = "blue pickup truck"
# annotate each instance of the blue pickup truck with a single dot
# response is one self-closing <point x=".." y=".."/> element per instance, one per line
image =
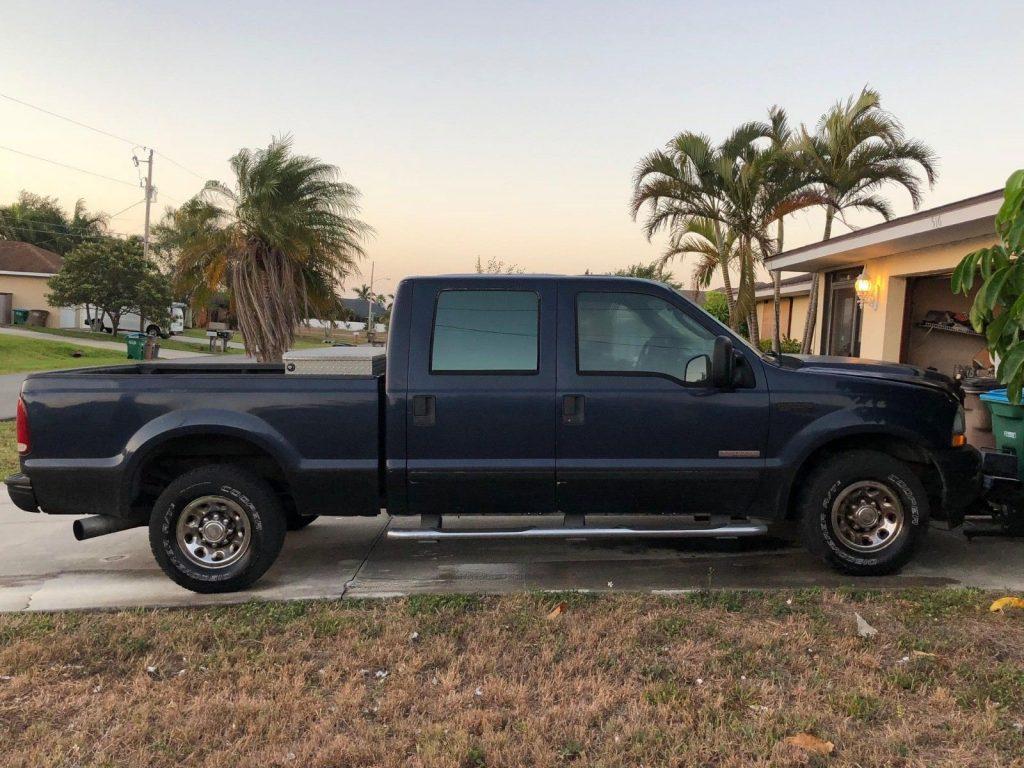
<point x="577" y="397"/>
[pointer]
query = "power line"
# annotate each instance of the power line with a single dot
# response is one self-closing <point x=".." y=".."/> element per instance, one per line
<point x="93" y="128"/>
<point x="187" y="170"/>
<point x="71" y="167"/>
<point x="69" y="119"/>
<point x="56" y="229"/>
<point x="115" y="215"/>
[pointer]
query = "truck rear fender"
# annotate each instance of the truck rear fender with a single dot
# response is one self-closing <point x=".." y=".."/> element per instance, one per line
<point x="157" y="436"/>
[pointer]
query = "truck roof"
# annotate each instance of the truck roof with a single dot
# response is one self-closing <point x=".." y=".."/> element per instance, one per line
<point x="531" y="277"/>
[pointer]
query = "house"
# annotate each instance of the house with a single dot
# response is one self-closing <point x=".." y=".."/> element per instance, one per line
<point x="884" y="292"/>
<point x="24" y="272"/>
<point x="360" y="308"/>
<point x="795" y="293"/>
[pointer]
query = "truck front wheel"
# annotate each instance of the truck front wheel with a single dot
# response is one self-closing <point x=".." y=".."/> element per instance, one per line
<point x="216" y="529"/>
<point x="863" y="512"/>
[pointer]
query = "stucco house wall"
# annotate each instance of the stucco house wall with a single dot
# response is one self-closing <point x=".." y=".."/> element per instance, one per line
<point x="30" y="293"/>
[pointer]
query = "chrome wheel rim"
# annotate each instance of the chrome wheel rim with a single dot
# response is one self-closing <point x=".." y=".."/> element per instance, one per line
<point x="867" y="516"/>
<point x="213" y="532"/>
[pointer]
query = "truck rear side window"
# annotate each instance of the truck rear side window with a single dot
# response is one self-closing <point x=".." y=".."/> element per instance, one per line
<point x="485" y="332"/>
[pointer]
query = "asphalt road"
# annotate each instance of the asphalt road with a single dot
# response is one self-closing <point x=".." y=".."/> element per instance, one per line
<point x="43" y="568"/>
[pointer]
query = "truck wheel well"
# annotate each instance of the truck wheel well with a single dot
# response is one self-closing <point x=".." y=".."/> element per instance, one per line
<point x="914" y="456"/>
<point x="182" y="454"/>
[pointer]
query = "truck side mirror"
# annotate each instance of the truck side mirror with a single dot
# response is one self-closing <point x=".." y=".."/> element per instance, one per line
<point x="722" y="361"/>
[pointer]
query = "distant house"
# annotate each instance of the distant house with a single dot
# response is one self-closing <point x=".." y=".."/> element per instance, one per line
<point x="360" y="308"/>
<point x="697" y="297"/>
<point x="24" y="272"/>
<point x="795" y="293"/>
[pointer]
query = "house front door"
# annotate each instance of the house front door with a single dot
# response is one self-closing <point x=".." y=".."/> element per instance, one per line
<point x="842" y="312"/>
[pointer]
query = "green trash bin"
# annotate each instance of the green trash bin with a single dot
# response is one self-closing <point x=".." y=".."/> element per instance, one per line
<point x="1007" y="425"/>
<point x="136" y="345"/>
<point x="20" y="316"/>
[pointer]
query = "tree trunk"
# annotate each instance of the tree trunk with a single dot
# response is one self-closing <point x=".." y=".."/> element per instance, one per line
<point x="777" y="297"/>
<point x="723" y="261"/>
<point x="812" y="306"/>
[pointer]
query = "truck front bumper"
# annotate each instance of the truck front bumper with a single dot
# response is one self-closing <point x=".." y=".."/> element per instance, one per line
<point x="19" y="488"/>
<point x="960" y="472"/>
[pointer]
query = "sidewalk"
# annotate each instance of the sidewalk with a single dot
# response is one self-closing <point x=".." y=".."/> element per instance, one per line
<point x="10" y="384"/>
<point x="165" y="354"/>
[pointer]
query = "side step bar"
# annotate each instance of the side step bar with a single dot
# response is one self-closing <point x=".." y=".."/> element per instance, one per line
<point x="720" y="532"/>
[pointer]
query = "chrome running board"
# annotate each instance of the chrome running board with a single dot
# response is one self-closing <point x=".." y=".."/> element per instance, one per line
<point x="721" y="532"/>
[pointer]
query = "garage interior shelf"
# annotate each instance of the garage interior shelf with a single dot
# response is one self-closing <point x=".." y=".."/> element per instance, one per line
<point x="950" y="329"/>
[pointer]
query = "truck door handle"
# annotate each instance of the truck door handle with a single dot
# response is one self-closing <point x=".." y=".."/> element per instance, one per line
<point x="572" y="409"/>
<point x="423" y="411"/>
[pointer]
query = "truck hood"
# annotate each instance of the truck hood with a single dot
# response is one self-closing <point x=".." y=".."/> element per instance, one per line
<point x="871" y="369"/>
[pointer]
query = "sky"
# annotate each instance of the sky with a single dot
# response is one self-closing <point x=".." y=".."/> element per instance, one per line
<point x="499" y="130"/>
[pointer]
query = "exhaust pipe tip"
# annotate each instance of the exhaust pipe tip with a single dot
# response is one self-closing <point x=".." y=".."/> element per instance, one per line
<point x="101" y="525"/>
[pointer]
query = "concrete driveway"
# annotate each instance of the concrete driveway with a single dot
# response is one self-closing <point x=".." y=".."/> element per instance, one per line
<point x="43" y="568"/>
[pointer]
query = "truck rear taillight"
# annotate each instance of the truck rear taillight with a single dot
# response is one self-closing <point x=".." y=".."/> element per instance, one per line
<point x="21" y="427"/>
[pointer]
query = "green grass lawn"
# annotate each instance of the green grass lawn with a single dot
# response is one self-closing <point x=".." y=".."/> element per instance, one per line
<point x="8" y="450"/>
<point x="183" y="346"/>
<point x="19" y="354"/>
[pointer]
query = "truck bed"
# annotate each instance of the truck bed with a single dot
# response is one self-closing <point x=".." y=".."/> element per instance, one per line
<point x="96" y="432"/>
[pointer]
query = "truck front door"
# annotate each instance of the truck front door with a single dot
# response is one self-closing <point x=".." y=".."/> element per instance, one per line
<point x="480" y="411"/>
<point x="641" y="429"/>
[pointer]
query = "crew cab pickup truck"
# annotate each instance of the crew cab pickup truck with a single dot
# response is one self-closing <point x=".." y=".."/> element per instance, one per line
<point x="577" y="397"/>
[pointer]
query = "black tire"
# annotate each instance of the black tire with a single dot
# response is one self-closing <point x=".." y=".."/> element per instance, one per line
<point x="238" y="492"/>
<point x="297" y="522"/>
<point x="866" y="480"/>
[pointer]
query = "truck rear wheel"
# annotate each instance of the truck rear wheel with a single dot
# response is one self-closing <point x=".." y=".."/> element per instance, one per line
<point x="864" y="513"/>
<point x="216" y="529"/>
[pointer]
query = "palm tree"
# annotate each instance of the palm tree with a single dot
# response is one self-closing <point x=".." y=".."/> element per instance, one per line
<point x="41" y="221"/>
<point x="685" y="182"/>
<point x="720" y="202"/>
<point x="788" y="174"/>
<point x="364" y="292"/>
<point x="280" y="239"/>
<point x="697" y="238"/>
<point x="856" y="149"/>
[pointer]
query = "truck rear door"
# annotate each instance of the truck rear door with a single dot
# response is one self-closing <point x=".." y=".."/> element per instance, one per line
<point x="480" y="410"/>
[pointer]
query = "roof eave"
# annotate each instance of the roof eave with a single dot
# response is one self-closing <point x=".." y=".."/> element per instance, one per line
<point x="971" y="218"/>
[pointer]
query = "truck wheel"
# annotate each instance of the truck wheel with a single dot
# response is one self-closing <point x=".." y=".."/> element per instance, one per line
<point x="297" y="522"/>
<point x="216" y="529"/>
<point x="864" y="513"/>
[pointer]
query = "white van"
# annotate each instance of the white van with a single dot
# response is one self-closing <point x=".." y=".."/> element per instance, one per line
<point x="131" y="321"/>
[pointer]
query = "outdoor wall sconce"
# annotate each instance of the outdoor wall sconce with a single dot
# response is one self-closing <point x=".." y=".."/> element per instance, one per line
<point x="866" y="290"/>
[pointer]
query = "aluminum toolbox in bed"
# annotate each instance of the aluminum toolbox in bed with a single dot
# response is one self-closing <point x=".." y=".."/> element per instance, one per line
<point x="334" y="361"/>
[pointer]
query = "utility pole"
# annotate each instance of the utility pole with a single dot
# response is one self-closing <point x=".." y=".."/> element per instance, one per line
<point x="148" y="186"/>
<point x="369" y="307"/>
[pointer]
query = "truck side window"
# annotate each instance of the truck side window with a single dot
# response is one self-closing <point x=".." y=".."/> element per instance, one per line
<point x="485" y="332"/>
<point x="633" y="333"/>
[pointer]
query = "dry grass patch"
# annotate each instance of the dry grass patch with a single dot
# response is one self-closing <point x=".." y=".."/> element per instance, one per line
<point x="8" y="451"/>
<point x="709" y="679"/>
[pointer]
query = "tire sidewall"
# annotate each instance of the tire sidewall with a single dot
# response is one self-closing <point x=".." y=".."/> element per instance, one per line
<point x="265" y="534"/>
<point x="858" y="467"/>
